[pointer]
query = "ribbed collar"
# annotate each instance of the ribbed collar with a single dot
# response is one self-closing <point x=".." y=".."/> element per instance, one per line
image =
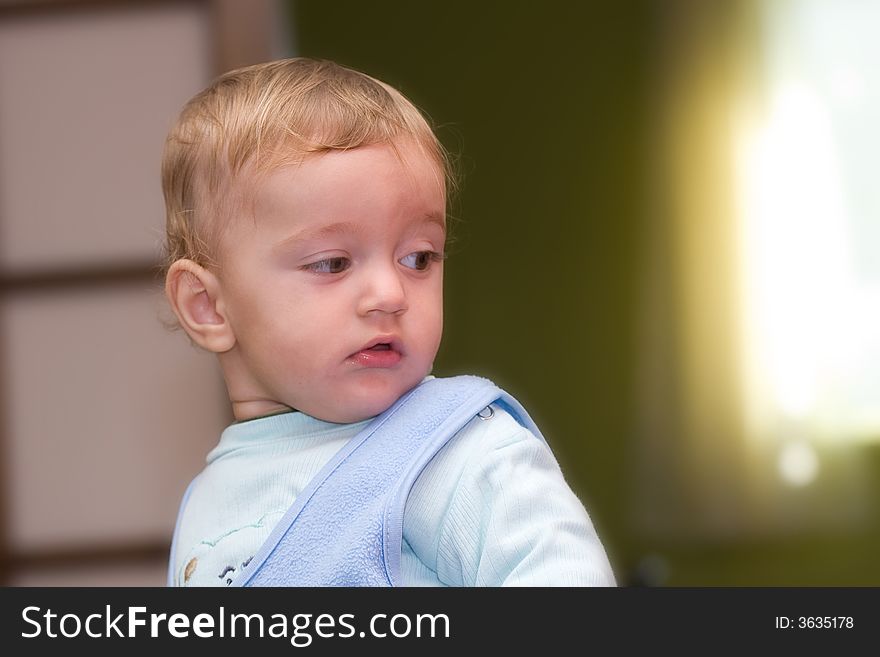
<point x="284" y="426"/>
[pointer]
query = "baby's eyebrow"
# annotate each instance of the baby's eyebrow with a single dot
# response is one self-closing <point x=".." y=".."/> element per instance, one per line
<point x="435" y="218"/>
<point x="347" y="227"/>
<point x="338" y="228"/>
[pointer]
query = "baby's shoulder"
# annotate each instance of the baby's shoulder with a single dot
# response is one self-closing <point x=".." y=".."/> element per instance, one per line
<point x="489" y="431"/>
<point x="491" y="437"/>
<point x="500" y="423"/>
<point x="492" y="465"/>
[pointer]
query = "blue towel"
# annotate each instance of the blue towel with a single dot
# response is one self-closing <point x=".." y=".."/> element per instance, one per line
<point x="346" y="527"/>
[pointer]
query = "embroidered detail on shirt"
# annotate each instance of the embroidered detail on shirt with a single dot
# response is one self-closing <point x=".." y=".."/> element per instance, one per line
<point x="234" y="571"/>
<point x="254" y="525"/>
<point x="190" y="569"/>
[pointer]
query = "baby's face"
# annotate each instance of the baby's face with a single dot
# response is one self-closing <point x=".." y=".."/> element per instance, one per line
<point x="334" y="292"/>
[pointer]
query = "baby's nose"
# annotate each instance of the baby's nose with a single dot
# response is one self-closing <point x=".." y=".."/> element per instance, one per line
<point x="384" y="292"/>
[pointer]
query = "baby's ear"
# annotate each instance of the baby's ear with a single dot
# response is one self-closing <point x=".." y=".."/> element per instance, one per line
<point x="195" y="296"/>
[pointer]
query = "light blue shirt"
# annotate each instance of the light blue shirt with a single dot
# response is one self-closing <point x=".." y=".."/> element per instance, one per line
<point x="491" y="509"/>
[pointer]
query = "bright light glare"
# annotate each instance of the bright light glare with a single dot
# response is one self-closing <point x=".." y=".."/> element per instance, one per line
<point x="798" y="464"/>
<point x="809" y="212"/>
<point x="797" y="287"/>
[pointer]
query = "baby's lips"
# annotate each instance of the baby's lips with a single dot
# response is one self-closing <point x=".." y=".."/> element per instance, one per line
<point x="384" y="342"/>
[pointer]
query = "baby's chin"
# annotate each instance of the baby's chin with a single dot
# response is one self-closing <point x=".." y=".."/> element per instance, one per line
<point x="350" y="414"/>
<point x="362" y="404"/>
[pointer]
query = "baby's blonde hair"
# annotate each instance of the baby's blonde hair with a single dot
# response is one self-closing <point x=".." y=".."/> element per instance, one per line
<point x="267" y="116"/>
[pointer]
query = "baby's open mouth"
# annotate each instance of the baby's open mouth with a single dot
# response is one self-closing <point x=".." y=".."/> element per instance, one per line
<point x="384" y="351"/>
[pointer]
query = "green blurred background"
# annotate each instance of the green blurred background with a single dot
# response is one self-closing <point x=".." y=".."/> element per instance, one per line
<point x="552" y="111"/>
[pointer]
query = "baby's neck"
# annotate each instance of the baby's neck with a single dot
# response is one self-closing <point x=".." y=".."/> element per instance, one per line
<point x="245" y="393"/>
<point x="252" y="409"/>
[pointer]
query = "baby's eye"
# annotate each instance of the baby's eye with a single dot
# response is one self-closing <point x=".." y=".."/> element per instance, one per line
<point x="328" y="266"/>
<point x="421" y="260"/>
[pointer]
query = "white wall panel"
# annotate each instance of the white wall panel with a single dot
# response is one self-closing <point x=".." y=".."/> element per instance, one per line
<point x="109" y="415"/>
<point x="86" y="99"/>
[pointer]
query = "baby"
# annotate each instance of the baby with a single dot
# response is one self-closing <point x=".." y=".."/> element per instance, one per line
<point x="306" y="228"/>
